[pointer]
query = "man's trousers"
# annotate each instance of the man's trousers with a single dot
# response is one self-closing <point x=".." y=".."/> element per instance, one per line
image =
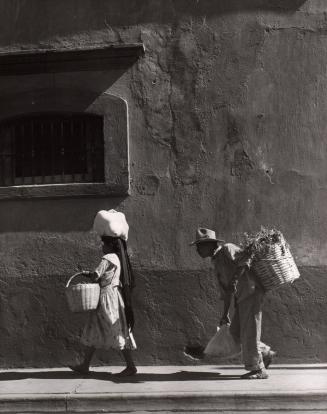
<point x="246" y="330"/>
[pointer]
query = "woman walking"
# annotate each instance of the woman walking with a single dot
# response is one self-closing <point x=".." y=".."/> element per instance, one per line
<point x="110" y="326"/>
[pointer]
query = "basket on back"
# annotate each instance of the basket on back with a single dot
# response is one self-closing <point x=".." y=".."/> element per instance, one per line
<point x="82" y="297"/>
<point x="276" y="267"/>
<point x="273" y="262"/>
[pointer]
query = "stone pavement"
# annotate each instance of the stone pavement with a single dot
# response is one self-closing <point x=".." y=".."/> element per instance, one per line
<point x="163" y="389"/>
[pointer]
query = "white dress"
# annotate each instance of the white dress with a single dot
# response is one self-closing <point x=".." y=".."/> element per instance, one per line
<point x="107" y="327"/>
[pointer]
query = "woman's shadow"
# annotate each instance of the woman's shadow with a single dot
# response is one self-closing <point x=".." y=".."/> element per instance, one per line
<point x="108" y="376"/>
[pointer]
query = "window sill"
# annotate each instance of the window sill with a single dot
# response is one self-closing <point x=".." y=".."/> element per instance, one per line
<point x="63" y="190"/>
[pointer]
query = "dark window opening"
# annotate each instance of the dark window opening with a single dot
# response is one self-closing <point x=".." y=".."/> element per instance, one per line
<point x="52" y="149"/>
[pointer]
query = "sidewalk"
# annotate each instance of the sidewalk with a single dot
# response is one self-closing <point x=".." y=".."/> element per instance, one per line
<point x="162" y="389"/>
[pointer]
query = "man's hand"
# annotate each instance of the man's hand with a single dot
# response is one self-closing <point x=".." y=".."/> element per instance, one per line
<point x="225" y="320"/>
<point x="232" y="286"/>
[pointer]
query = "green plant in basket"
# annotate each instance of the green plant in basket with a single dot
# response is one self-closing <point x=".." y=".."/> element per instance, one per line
<point x="258" y="244"/>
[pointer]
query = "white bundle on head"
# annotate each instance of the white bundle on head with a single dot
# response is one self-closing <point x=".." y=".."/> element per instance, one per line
<point x="111" y="223"/>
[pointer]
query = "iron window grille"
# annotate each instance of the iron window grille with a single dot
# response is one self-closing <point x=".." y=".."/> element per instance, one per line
<point x="51" y="149"/>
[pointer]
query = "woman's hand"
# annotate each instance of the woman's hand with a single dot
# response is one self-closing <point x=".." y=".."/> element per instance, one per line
<point x="129" y="317"/>
<point x="92" y="275"/>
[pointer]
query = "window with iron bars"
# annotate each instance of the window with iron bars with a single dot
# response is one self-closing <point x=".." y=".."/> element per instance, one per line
<point x="51" y="149"/>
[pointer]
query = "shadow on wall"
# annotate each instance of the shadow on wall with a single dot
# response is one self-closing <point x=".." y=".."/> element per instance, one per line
<point x="64" y="18"/>
<point x="209" y="7"/>
<point x="34" y="96"/>
<point x="62" y="216"/>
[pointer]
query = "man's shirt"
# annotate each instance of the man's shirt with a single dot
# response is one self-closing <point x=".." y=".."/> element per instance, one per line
<point x="227" y="260"/>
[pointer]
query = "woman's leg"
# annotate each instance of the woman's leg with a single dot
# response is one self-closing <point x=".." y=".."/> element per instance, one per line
<point x="84" y="367"/>
<point x="130" y="365"/>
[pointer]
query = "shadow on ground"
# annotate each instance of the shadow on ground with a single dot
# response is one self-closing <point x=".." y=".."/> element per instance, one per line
<point x="108" y="376"/>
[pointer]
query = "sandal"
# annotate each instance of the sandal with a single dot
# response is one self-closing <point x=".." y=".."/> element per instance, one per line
<point x="257" y="374"/>
<point x="127" y="372"/>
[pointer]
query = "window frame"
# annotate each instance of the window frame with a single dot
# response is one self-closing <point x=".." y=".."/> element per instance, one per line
<point x="114" y="112"/>
<point x="82" y="141"/>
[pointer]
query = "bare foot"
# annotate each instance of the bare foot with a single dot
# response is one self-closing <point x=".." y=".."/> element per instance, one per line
<point x="80" y="369"/>
<point x="257" y="374"/>
<point x="127" y="372"/>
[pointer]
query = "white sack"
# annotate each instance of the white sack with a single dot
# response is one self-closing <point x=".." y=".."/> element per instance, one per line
<point x="111" y="223"/>
<point x="222" y="344"/>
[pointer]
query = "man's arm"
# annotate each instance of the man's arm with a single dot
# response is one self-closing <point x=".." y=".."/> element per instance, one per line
<point x="230" y="291"/>
<point x="233" y="283"/>
<point x="225" y="319"/>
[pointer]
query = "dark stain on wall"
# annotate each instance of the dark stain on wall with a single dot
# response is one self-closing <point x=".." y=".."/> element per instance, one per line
<point x="148" y="185"/>
<point x="53" y="337"/>
<point x="241" y="166"/>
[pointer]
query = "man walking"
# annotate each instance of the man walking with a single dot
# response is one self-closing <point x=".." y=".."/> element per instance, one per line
<point x="232" y="267"/>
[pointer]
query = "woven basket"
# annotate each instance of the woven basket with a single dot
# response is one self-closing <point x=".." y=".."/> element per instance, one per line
<point x="275" y="267"/>
<point x="82" y="297"/>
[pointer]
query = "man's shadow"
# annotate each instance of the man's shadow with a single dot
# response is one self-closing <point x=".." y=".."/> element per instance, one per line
<point x="108" y="376"/>
<point x="175" y="376"/>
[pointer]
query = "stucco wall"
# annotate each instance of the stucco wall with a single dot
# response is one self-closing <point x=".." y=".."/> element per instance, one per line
<point x="227" y="118"/>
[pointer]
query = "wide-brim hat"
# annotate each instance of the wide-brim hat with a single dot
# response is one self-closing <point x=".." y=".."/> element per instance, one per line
<point x="205" y="235"/>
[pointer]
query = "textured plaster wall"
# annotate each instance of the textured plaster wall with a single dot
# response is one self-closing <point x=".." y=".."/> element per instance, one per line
<point x="227" y="118"/>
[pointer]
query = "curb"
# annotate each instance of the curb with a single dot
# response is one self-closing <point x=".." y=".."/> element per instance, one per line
<point x="183" y="402"/>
